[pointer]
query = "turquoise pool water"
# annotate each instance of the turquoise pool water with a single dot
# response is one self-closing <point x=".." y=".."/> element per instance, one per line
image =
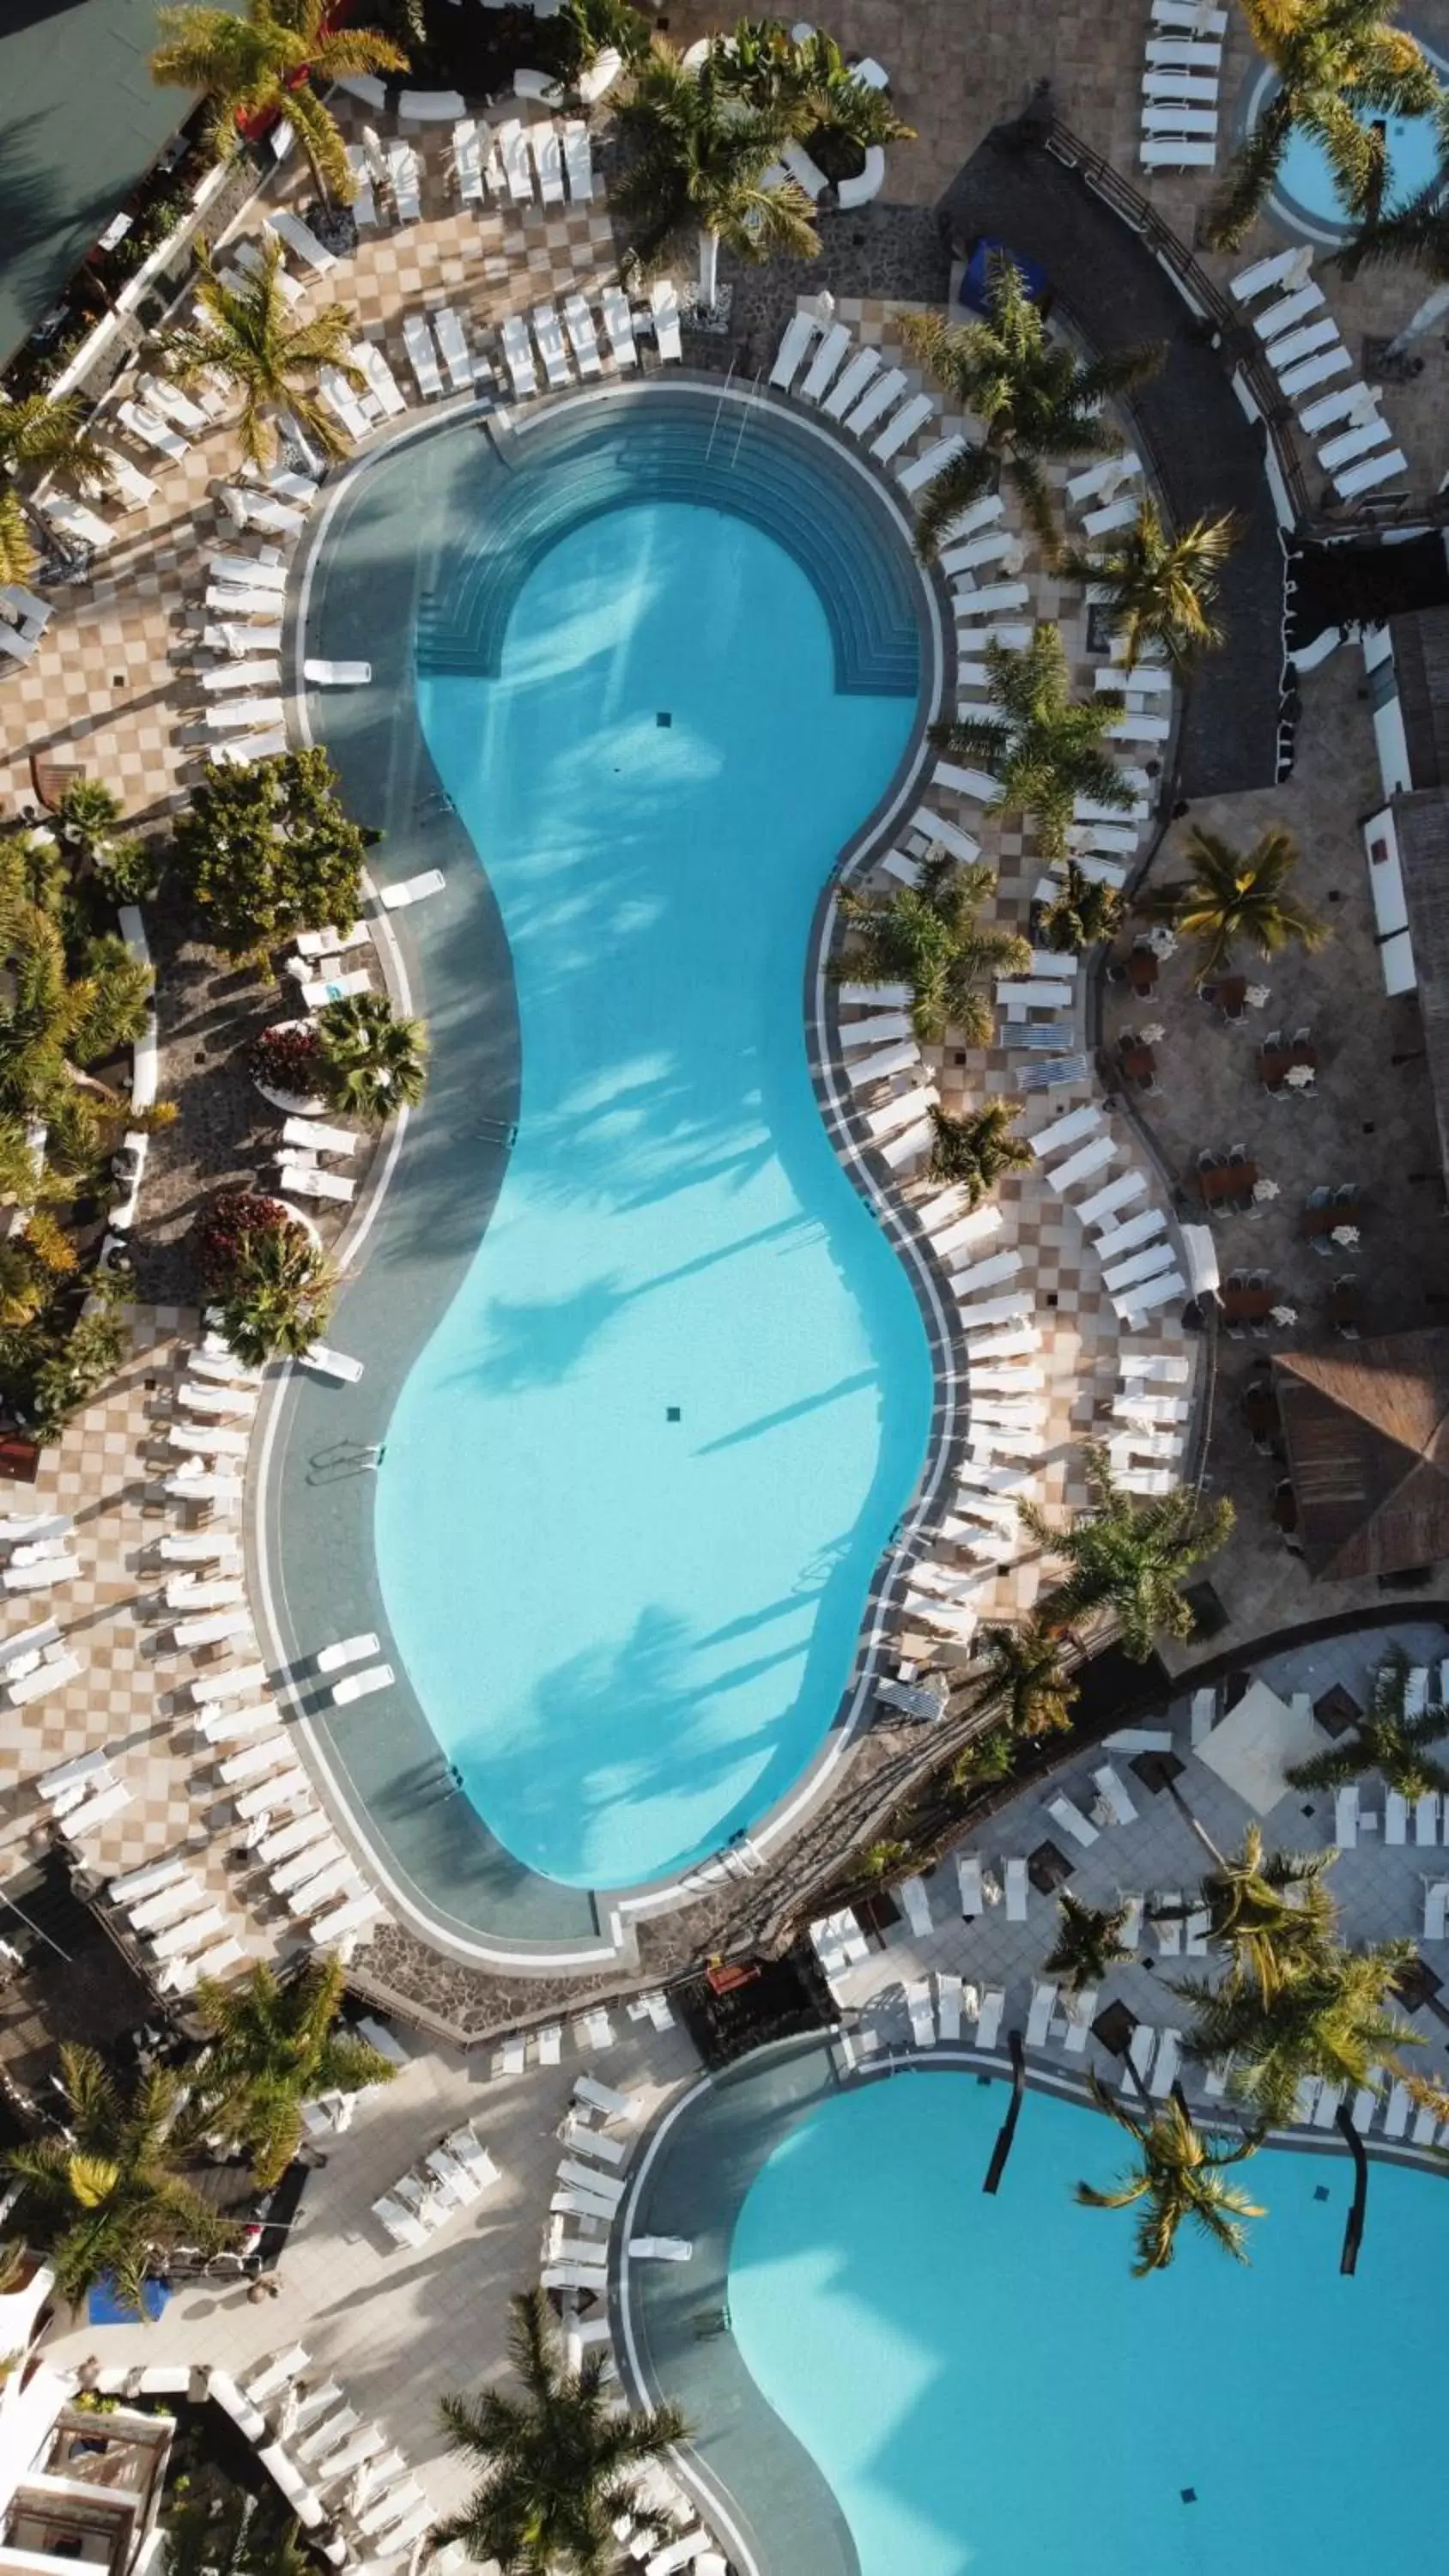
<point x="987" y="2389"/>
<point x="1305" y="183"/>
<point x="629" y="1631"/>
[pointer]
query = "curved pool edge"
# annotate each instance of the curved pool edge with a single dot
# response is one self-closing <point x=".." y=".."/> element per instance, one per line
<point x="809" y="2536"/>
<point x="608" y="1936"/>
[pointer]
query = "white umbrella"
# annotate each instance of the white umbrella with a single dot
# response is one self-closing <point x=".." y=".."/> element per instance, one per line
<point x="1153" y="1034"/>
<point x="1344" y="1234"/>
<point x="1284" y="1314"/>
<point x="1266" y="1189"/>
<point x="1256" y="995"/>
<point x="1299" y="1076"/>
<point x="1163" y="943"/>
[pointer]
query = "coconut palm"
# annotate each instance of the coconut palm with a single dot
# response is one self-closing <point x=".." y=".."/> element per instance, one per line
<point x="1342" y="68"/>
<point x="1236" y="895"/>
<point x="247" y="334"/>
<point x="1037" y="400"/>
<point x="59" y="1014"/>
<point x="105" y="2199"/>
<point x="1026" y="1679"/>
<point x="272" y="2046"/>
<point x="975" y="1152"/>
<point x="694" y="167"/>
<point x="1269" y="1911"/>
<point x="263" y="62"/>
<point x="1179" y="2176"/>
<point x="1385" y="1739"/>
<point x="1330" y="2018"/>
<point x="1129" y="1556"/>
<point x="587" y="28"/>
<point x="36" y="432"/>
<point x="1088" y="1943"/>
<point x="928" y="936"/>
<point x="1085" y="910"/>
<point x="1043" y="749"/>
<point x="560" y="2465"/>
<point x="1158" y="591"/>
<point x="373" y="1063"/>
<point x="279" y="1296"/>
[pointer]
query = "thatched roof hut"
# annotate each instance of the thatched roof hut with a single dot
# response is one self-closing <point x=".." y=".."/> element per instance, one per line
<point x="1367" y="1429"/>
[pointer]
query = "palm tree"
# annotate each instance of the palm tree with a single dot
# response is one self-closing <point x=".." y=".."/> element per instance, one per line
<point x="1237" y="895"/>
<point x="1043" y="750"/>
<point x="105" y="2199"/>
<point x="807" y="86"/>
<point x="247" y="334"/>
<point x="1329" y="2018"/>
<point x="272" y="2047"/>
<point x="696" y="164"/>
<point x="1179" y="2176"/>
<point x="279" y="1297"/>
<point x="1270" y="1912"/>
<point x="927" y="935"/>
<point x="1088" y="1943"/>
<point x="1159" y="592"/>
<point x="560" y="2465"/>
<point x="1085" y="910"/>
<point x="1026" y="1679"/>
<point x="587" y="28"/>
<point x="1385" y="1739"/>
<point x="1037" y="400"/>
<point x="263" y="63"/>
<point x="373" y="1063"/>
<point x="1130" y="1556"/>
<point x="1342" y="68"/>
<point x="52" y="436"/>
<point x="975" y="1152"/>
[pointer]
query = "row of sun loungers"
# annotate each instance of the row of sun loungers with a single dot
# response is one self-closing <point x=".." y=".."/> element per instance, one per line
<point x="508" y="162"/>
<point x="1180" y="86"/>
<point x="332" y="2468"/>
<point x="1303" y="347"/>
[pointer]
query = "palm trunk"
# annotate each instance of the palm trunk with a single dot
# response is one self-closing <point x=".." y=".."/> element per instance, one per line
<point x="708" y="271"/>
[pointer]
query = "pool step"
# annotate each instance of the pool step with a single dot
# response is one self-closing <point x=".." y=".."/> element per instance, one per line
<point x="767" y="476"/>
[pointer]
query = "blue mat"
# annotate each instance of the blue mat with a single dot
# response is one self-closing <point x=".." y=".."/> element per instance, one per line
<point x="107" y="2307"/>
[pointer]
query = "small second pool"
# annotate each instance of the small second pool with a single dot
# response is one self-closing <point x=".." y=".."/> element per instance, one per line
<point x="1305" y="194"/>
<point x="989" y="2392"/>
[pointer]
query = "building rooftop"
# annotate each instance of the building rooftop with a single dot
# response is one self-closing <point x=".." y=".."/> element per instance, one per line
<point x="81" y="122"/>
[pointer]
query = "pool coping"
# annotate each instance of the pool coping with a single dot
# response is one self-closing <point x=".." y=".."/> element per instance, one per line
<point x="641" y="2382"/>
<point x="1326" y="233"/>
<point x="620" y="1909"/>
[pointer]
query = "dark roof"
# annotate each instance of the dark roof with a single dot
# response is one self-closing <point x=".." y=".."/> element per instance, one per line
<point x="1421" y="826"/>
<point x="1367" y="1431"/>
<point x="81" y="121"/>
<point x="1421" y="666"/>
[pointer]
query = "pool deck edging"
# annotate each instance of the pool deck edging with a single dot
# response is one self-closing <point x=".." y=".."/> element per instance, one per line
<point x="620" y="1908"/>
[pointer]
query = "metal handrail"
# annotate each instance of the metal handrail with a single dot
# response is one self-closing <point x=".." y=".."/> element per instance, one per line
<point x="1247" y="360"/>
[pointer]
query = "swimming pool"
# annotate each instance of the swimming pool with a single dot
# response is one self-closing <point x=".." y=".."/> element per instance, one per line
<point x="1305" y="196"/>
<point x="985" y="2387"/>
<point x="637" y="1483"/>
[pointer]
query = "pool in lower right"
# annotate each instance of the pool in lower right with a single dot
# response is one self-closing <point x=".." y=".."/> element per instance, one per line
<point x="988" y="2389"/>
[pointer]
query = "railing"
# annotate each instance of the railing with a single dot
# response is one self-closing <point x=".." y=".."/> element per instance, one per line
<point x="1241" y="350"/>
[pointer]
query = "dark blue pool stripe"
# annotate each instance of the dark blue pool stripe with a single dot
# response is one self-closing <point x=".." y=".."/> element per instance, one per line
<point x="830" y="528"/>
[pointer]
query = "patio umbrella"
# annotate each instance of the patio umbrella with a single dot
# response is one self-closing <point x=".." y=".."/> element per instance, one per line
<point x="1265" y="1189"/>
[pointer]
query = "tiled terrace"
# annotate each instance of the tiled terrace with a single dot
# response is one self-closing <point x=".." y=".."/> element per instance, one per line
<point x="1380" y="1890"/>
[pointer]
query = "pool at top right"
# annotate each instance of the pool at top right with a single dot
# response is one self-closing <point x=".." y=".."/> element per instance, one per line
<point x="1304" y="196"/>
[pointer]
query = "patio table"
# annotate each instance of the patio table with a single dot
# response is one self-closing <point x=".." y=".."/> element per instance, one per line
<point x="1141" y="967"/>
<point x="1246" y="1305"/>
<point x="1322" y="1220"/>
<point x="1227" y="1183"/>
<point x="1278" y="1062"/>
<point x="1138" y="1063"/>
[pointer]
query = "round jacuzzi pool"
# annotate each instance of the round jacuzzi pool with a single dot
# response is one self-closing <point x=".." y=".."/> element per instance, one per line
<point x="1305" y="198"/>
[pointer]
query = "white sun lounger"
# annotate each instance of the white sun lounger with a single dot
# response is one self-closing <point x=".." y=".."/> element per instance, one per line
<point x="664" y="303"/>
<point x="518" y="357"/>
<point x="548" y="161"/>
<point x="583" y="339"/>
<point x="912" y="416"/>
<point x="422" y="357"/>
<point x="517" y="173"/>
<point x="550" y="344"/>
<point x="850" y="384"/>
<point x="356" y="1686"/>
<point x="283" y="1790"/>
<point x="404" y="172"/>
<point x="578" y="161"/>
<point x="152" y="431"/>
<point x="468" y="161"/>
<point x="923" y="2020"/>
<point x="878" y="398"/>
<point x="1016" y="1890"/>
<point x="74" y="520"/>
<point x="181" y="1940"/>
<point x="386" y="391"/>
<point x="618" y="322"/>
<point x="1039" y="2019"/>
<point x="1072" y="1820"/>
<point x="134" y="487"/>
<point x="300" y="238"/>
<point x="454" y="347"/>
<point x="988" y="2018"/>
<point x="798" y="333"/>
